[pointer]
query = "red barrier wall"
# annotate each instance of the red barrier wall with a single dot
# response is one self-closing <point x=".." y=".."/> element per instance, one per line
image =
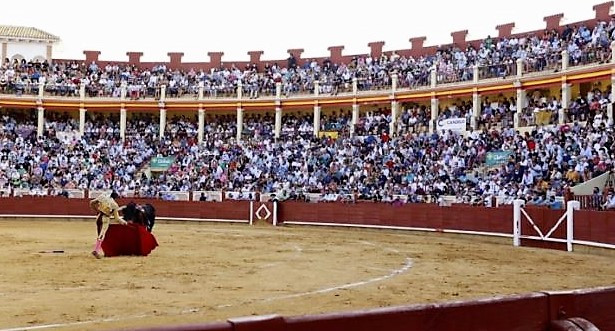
<point x="595" y="226"/>
<point x="524" y="312"/>
<point x="527" y="312"/>
<point x="229" y="210"/>
<point x="458" y="217"/>
<point x="595" y="305"/>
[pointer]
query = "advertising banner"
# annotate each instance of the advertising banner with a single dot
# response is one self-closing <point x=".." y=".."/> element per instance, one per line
<point x="453" y="124"/>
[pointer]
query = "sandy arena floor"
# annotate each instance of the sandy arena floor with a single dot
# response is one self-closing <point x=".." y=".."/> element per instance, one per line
<point x="209" y="272"/>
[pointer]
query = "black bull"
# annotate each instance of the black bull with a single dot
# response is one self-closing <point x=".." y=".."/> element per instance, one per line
<point x="140" y="214"/>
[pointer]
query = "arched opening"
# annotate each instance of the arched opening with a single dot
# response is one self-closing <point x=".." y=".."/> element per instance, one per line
<point x="39" y="59"/>
<point x="17" y="60"/>
<point x="17" y="57"/>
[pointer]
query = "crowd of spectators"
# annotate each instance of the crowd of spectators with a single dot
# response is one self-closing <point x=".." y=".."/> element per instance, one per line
<point x="495" y="57"/>
<point x="408" y="165"/>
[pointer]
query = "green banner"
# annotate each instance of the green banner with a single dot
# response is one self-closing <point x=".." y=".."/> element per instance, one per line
<point x="161" y="163"/>
<point x="497" y="158"/>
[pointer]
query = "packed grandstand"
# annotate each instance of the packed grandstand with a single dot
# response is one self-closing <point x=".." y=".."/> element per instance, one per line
<point x="381" y="156"/>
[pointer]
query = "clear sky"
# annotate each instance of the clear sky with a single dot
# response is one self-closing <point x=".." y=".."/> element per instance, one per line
<point x="237" y="26"/>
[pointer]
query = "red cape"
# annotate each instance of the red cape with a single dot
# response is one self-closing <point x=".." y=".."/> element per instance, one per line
<point x="131" y="239"/>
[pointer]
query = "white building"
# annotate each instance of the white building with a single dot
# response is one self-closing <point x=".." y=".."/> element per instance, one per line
<point x="21" y="42"/>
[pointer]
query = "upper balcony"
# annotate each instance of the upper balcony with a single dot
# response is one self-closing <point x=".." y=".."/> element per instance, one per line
<point x="439" y="79"/>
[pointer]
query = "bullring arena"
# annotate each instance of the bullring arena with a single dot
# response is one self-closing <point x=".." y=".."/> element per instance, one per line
<point x="208" y="270"/>
<point x="392" y="194"/>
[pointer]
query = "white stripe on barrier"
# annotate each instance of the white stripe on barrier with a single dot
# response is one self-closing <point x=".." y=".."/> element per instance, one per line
<point x="529" y="219"/>
<point x="162" y="218"/>
<point x="367" y="226"/>
<point x="576" y="242"/>
<point x="44" y="216"/>
<point x="543" y="239"/>
<point x="559" y="221"/>
<point x="480" y="233"/>
<point x="406" y="228"/>
<point x="593" y="243"/>
<point x="217" y="220"/>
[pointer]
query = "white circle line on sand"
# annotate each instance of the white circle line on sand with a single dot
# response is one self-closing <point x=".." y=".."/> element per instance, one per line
<point x="61" y="325"/>
<point x="407" y="265"/>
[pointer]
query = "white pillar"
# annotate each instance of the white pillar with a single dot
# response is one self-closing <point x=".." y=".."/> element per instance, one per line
<point x="278" y="121"/>
<point x="82" y="91"/>
<point x="475" y="73"/>
<point x="239" y="123"/>
<point x="316" y="120"/>
<point x="394" y="106"/>
<point x="82" y="112"/>
<point x="520" y="105"/>
<point x="394" y="80"/>
<point x="355" y="108"/>
<point x="278" y="110"/>
<point x="434" y="76"/>
<point x="163" y="120"/>
<point x="239" y="111"/>
<point x="434" y="114"/>
<point x="571" y="206"/>
<point x="355" y="118"/>
<point x="40" y="121"/>
<point x="394" y="115"/>
<point x="278" y="90"/>
<point x="201" y="128"/>
<point x="609" y="106"/>
<point x="565" y="60"/>
<point x="316" y="109"/>
<point x="565" y="102"/>
<point x="201" y="87"/>
<point x="82" y="109"/>
<point x="517" y="204"/>
<point x="41" y="89"/>
<point x="163" y="92"/>
<point x="123" y="90"/>
<point x="123" y="123"/>
<point x="475" y="110"/>
<point x="519" y="68"/>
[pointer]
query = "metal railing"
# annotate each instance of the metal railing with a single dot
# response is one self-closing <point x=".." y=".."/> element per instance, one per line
<point x="530" y="117"/>
<point x="454" y="75"/>
<point x="293" y="87"/>
<point x="591" y="55"/>
<point x="546" y="62"/>
<point x="502" y="70"/>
